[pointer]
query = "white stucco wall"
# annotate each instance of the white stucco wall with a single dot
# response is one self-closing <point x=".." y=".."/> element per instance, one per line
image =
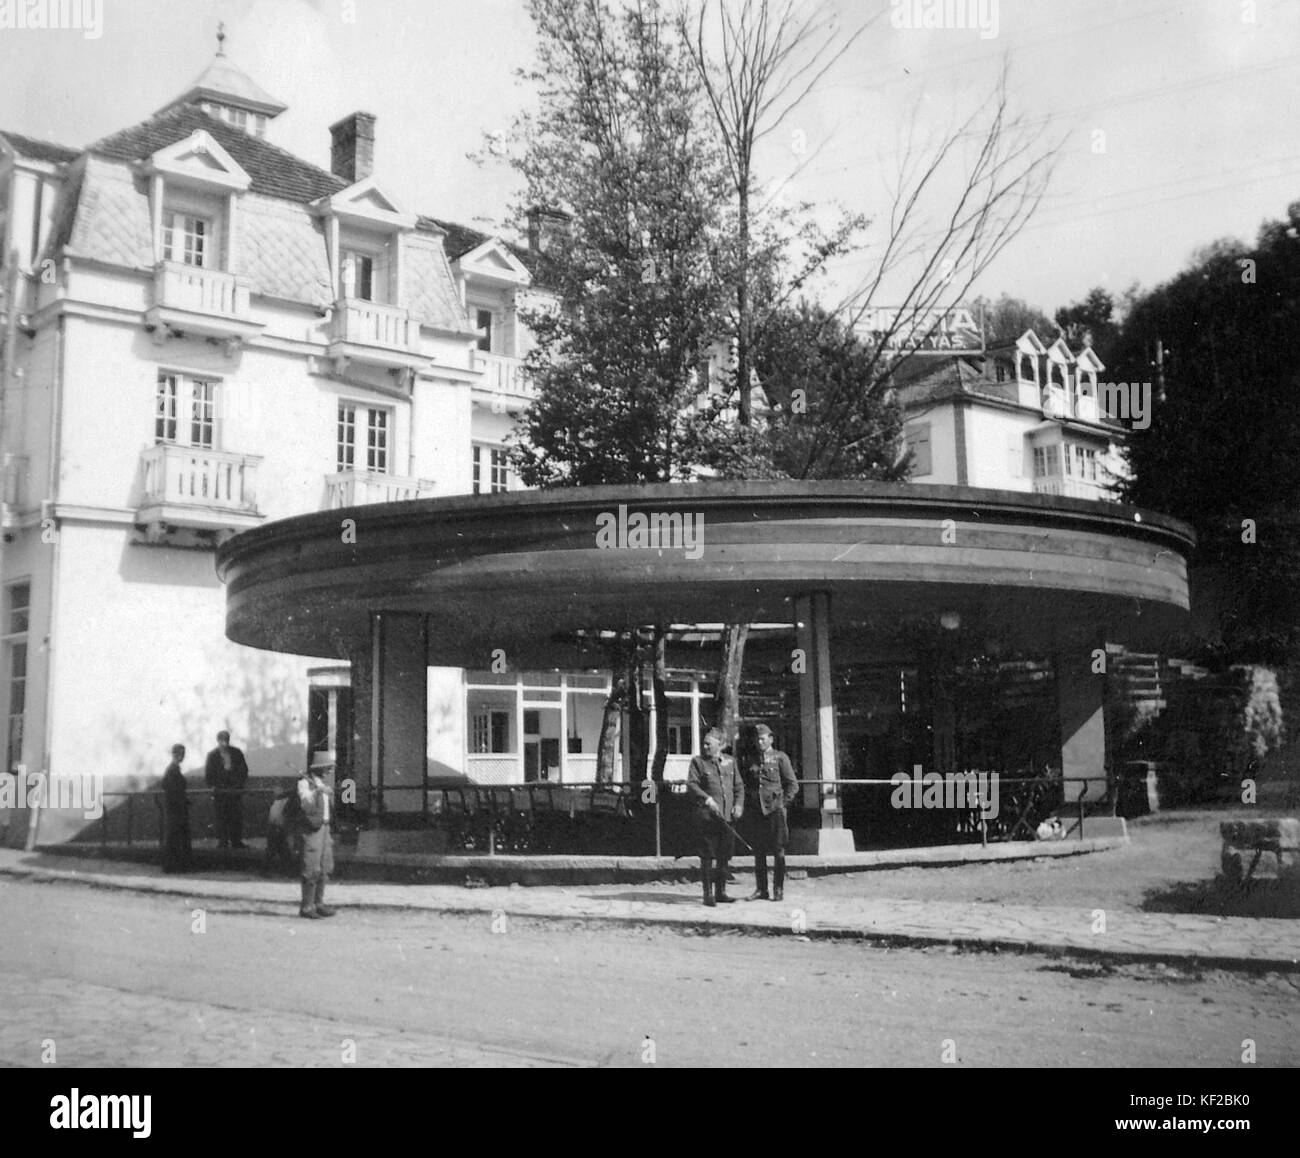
<point x="995" y="448"/>
<point x="943" y="444"/>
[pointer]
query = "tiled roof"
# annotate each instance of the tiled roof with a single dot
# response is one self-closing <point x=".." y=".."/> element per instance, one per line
<point x="231" y="85"/>
<point x="461" y="239"/>
<point x="106" y="216"/>
<point x="273" y="171"/>
<point x="35" y="150"/>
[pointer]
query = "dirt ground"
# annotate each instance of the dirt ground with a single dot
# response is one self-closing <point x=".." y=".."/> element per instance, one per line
<point x="1170" y="865"/>
<point x="117" y="978"/>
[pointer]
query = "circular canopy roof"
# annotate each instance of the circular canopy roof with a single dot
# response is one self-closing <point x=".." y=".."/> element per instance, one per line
<point x="522" y="571"/>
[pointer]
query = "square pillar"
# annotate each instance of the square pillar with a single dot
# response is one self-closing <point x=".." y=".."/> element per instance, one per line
<point x="827" y="836"/>
<point x="360" y="762"/>
<point x="1081" y="699"/>
<point x="399" y="711"/>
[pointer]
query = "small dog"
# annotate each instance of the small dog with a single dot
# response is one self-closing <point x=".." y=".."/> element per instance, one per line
<point x="1051" y="829"/>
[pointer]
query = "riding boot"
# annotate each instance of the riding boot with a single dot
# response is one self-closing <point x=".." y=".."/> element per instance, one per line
<point x="706" y="875"/>
<point x="721" y="890"/>
<point x="760" y="878"/>
<point x="778" y="877"/>
<point x="308" y="907"/>
<point x="322" y="909"/>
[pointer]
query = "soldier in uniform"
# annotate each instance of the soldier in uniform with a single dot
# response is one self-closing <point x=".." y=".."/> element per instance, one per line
<point x="774" y="783"/>
<point x="714" y="784"/>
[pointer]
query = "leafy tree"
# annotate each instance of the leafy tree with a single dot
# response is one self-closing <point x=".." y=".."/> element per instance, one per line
<point x="1007" y="318"/>
<point x="618" y="145"/>
<point x="1220" y="346"/>
<point x="1091" y="322"/>
<point x="817" y="375"/>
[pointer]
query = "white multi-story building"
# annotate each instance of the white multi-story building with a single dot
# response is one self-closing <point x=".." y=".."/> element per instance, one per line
<point x="202" y="333"/>
<point x="1023" y="416"/>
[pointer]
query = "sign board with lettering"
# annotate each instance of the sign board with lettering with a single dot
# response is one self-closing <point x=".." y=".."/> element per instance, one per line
<point x="954" y="331"/>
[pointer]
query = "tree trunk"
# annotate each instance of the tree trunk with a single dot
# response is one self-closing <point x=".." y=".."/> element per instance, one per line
<point x="743" y="309"/>
<point x="726" y="693"/>
<point x="607" y="746"/>
<point x="638" y="723"/>
<point x="659" y="675"/>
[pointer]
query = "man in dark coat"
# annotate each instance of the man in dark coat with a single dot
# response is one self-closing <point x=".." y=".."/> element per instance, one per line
<point x="176" y="848"/>
<point x="773" y="781"/>
<point x="225" y="772"/>
<point x="713" y="782"/>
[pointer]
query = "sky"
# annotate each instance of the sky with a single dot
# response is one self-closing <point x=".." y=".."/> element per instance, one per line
<point x="1176" y="121"/>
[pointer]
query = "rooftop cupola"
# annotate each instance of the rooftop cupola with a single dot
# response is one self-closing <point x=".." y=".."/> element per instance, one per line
<point x="228" y="93"/>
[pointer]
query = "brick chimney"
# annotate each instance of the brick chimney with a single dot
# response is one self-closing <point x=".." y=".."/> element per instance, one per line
<point x="352" y="147"/>
<point x="545" y="226"/>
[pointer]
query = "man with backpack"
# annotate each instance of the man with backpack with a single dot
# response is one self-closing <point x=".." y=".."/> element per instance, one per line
<point x="310" y="810"/>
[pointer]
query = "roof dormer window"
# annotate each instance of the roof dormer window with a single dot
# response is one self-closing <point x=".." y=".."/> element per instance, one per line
<point x="187" y="238"/>
<point x="249" y="122"/>
<point x="364" y="229"/>
<point x="194" y="186"/>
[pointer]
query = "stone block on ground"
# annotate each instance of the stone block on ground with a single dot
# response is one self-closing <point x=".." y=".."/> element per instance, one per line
<point x="1274" y="834"/>
<point x="1258" y="864"/>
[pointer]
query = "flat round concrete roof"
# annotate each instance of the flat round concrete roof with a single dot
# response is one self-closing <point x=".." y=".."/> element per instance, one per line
<point x="521" y="571"/>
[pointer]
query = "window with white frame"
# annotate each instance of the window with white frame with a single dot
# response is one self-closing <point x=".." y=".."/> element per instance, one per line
<point x="185" y="410"/>
<point x="489" y="732"/>
<point x="357" y="276"/>
<point x="188" y="239"/>
<point x="370" y="423"/>
<point x="17" y="616"/>
<point x="679" y="739"/>
<point x="483" y="324"/>
<point x="253" y="123"/>
<point x="491" y="470"/>
<point x="1047" y="461"/>
<point x="1084" y="463"/>
<point x="917" y="439"/>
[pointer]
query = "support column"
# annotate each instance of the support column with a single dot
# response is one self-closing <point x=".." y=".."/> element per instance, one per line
<point x="401" y="710"/>
<point x="360" y="764"/>
<point x="1081" y="698"/>
<point x="827" y="836"/>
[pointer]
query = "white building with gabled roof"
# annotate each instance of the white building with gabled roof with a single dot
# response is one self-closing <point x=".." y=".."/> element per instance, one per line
<point x="1019" y="416"/>
<point x="203" y="332"/>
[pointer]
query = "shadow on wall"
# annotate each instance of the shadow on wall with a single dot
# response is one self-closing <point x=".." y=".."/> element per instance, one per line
<point x="145" y="564"/>
<point x="259" y="697"/>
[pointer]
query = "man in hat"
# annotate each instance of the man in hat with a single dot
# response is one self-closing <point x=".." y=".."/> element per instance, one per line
<point x="773" y="780"/>
<point x="316" y="795"/>
<point x="225" y="772"/>
<point x="714" y="784"/>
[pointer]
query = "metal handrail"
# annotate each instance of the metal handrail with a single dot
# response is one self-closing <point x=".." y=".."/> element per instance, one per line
<point x="499" y="801"/>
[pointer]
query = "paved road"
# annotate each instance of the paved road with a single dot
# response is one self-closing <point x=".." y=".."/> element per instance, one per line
<point x="122" y="978"/>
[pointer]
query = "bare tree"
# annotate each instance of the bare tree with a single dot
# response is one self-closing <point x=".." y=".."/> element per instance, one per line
<point x="936" y="244"/>
<point x="767" y="61"/>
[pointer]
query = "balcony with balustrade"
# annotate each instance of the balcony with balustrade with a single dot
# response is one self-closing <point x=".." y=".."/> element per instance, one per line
<point x="375" y="334"/>
<point x="207" y="303"/>
<point x="1073" y="488"/>
<point x="199" y="489"/>
<point x="503" y="380"/>
<point x="355" y="488"/>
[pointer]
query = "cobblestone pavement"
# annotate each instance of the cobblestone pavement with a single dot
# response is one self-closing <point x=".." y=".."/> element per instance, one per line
<point x="87" y="1025"/>
<point x="1225" y="942"/>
